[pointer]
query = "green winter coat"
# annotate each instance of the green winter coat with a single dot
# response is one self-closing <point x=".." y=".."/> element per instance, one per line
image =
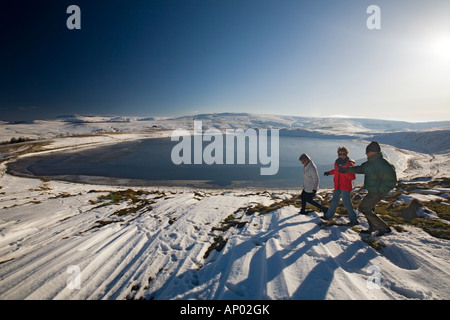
<point x="379" y="174"/>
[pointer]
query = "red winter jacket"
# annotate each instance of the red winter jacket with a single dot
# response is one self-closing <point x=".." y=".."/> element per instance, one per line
<point x="343" y="181"/>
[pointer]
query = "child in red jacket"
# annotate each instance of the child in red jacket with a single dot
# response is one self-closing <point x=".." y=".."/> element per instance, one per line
<point x="342" y="186"/>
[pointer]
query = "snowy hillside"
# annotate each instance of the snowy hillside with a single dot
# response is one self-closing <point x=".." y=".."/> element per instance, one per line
<point x="158" y="243"/>
<point x="418" y="137"/>
<point x="61" y="240"/>
<point x="425" y="141"/>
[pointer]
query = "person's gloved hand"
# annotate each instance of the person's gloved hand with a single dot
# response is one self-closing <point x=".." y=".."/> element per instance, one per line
<point x="326" y="173"/>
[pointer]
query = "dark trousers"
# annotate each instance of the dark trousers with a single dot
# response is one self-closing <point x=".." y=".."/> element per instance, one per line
<point x="308" y="197"/>
<point x="366" y="207"/>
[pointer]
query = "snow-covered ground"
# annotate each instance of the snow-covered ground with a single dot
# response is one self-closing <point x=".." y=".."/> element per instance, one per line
<point x="61" y="240"/>
<point x="77" y="125"/>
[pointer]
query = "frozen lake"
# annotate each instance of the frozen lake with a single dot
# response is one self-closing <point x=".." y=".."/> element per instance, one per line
<point x="148" y="163"/>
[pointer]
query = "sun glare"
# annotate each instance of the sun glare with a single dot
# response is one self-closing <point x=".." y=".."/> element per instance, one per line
<point x="440" y="47"/>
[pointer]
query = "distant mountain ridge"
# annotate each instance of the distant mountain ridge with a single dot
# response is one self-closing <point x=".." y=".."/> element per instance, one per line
<point x="227" y="119"/>
<point x="424" y="137"/>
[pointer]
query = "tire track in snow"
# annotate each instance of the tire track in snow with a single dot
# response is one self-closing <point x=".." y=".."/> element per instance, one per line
<point x="159" y="254"/>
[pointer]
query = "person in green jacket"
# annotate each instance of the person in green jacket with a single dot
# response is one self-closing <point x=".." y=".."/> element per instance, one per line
<point x="379" y="179"/>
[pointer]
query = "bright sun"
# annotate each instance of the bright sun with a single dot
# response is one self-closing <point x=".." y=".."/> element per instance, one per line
<point x="440" y="47"/>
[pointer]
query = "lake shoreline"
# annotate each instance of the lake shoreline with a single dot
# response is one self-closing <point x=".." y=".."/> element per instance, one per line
<point x="412" y="163"/>
<point x="64" y="164"/>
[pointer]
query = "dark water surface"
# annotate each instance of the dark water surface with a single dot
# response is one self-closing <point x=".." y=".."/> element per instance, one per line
<point x="148" y="163"/>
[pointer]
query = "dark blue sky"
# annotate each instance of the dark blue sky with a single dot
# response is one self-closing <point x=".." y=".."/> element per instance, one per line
<point x="167" y="57"/>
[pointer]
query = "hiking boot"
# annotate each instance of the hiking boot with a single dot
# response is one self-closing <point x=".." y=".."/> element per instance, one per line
<point x="379" y="233"/>
<point x="326" y="218"/>
<point x="383" y="232"/>
<point x="367" y="231"/>
<point x="353" y="223"/>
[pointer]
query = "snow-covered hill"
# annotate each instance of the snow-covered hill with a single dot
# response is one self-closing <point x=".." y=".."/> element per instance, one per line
<point x="420" y="137"/>
<point x="71" y="241"/>
<point x="424" y="141"/>
<point x="61" y="240"/>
